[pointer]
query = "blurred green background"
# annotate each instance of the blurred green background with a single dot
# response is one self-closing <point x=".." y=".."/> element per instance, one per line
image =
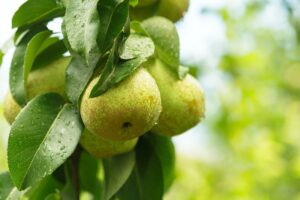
<point x="246" y="55"/>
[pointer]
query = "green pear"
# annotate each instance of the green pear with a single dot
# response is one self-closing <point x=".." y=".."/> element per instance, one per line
<point x="182" y="100"/>
<point x="172" y="9"/>
<point x="125" y="111"/>
<point x="100" y="147"/>
<point x="49" y="78"/>
<point x="143" y="3"/>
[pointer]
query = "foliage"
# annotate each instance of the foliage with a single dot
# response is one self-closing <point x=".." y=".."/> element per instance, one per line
<point x="45" y="160"/>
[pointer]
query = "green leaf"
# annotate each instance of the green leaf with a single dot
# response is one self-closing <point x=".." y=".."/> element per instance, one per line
<point x="165" y="37"/>
<point x="137" y="45"/>
<point x="36" y="44"/>
<point x="81" y="29"/>
<point x="90" y="175"/>
<point x="78" y="75"/>
<point x="125" y="69"/>
<point x="43" y="189"/>
<point x="69" y="191"/>
<point x="138" y="28"/>
<point x="146" y="181"/>
<point x="53" y="196"/>
<point x="113" y="73"/>
<point x="34" y="11"/>
<point x="104" y="82"/>
<point x="7" y="188"/>
<point x="165" y="151"/>
<point x="113" y="18"/>
<point x="117" y="171"/>
<point x="22" y="62"/>
<point x="1" y="57"/>
<point x="16" y="80"/>
<point x="43" y="136"/>
<point x="55" y="49"/>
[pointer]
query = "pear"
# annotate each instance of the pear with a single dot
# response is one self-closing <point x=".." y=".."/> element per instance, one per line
<point x="100" y="147"/>
<point x="141" y="13"/>
<point x="11" y="108"/>
<point x="125" y="111"/>
<point x="182" y="100"/>
<point x="143" y="3"/>
<point x="172" y="9"/>
<point x="49" y="78"/>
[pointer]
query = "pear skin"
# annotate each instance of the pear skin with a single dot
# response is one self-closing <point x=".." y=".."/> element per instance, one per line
<point x="50" y="78"/>
<point x="11" y="108"/>
<point x="143" y="3"/>
<point x="125" y="111"/>
<point x="182" y="100"/>
<point x="100" y="147"/>
<point x="173" y="9"/>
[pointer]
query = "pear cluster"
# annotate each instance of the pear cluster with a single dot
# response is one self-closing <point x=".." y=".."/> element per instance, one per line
<point x="152" y="100"/>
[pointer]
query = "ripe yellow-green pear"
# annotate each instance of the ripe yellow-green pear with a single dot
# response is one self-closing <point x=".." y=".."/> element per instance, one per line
<point x="143" y="3"/>
<point x="100" y="147"/>
<point x="182" y="100"/>
<point x="141" y="13"/>
<point x="172" y="9"/>
<point x="49" y="78"/>
<point x="125" y="111"/>
<point x="11" y="108"/>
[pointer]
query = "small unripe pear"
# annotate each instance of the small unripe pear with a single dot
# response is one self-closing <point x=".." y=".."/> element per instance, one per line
<point x="125" y="111"/>
<point x="182" y="100"/>
<point x="173" y="9"/>
<point x="100" y="147"/>
<point x="49" y="78"/>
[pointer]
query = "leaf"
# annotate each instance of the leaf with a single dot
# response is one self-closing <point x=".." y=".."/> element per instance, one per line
<point x="165" y="37"/>
<point x="34" y="46"/>
<point x="34" y="11"/>
<point x="137" y="45"/>
<point x="16" y="80"/>
<point x="81" y="28"/>
<point x="7" y="188"/>
<point x="43" y="136"/>
<point x="104" y="82"/>
<point x="89" y="175"/>
<point x="113" y="74"/>
<point x="69" y="191"/>
<point x="146" y="181"/>
<point x="165" y="151"/>
<point x="78" y="75"/>
<point x="1" y="57"/>
<point x="56" y="50"/>
<point x="126" y="68"/>
<point x="43" y="189"/>
<point x="117" y="171"/>
<point x="113" y="18"/>
<point x="137" y="27"/>
<point x="22" y="62"/>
